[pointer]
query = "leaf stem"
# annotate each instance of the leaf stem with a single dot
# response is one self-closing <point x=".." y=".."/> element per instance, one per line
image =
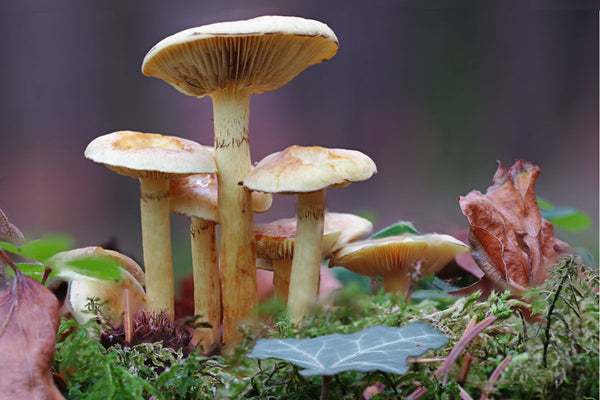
<point x="325" y="387"/>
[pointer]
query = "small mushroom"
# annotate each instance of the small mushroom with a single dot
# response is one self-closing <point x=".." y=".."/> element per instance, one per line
<point x="229" y="62"/>
<point x="275" y="244"/>
<point x="154" y="159"/>
<point x="196" y="197"/>
<point x="82" y="288"/>
<point x="399" y="259"/>
<point x="8" y="232"/>
<point x="308" y="172"/>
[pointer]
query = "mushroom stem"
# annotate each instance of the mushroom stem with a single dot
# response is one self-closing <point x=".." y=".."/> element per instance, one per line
<point x="397" y="283"/>
<point x="207" y="291"/>
<point x="282" y="269"/>
<point x="304" y="279"/>
<point x="238" y="252"/>
<point x="156" y="241"/>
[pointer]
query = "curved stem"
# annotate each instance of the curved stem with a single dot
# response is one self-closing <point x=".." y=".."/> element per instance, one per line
<point x="156" y="240"/>
<point x="281" y="277"/>
<point x="238" y="248"/>
<point x="207" y="288"/>
<point x="304" y="279"/>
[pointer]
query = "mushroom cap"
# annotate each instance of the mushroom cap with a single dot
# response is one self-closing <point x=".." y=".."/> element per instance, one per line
<point x="197" y="196"/>
<point x="65" y="257"/>
<point x="395" y="254"/>
<point x="276" y="239"/>
<point x="150" y="155"/>
<point x="299" y="169"/>
<point x="82" y="288"/>
<point x="255" y="55"/>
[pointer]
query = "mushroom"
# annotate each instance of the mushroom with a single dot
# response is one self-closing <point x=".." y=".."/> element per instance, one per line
<point x="154" y="159"/>
<point x="275" y="243"/>
<point x="308" y="172"/>
<point x="399" y="259"/>
<point x="8" y="232"/>
<point x="230" y="61"/>
<point x="83" y="288"/>
<point x="196" y="197"/>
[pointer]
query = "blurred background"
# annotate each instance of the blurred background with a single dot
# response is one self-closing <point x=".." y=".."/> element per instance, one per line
<point x="434" y="91"/>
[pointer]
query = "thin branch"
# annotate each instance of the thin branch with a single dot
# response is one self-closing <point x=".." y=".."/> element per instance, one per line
<point x="424" y="360"/>
<point x="494" y="377"/>
<point x="551" y="309"/>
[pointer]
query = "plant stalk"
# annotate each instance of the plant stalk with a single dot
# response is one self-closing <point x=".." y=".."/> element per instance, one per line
<point x="304" y="278"/>
<point x="238" y="248"/>
<point x="207" y="288"/>
<point x="156" y="240"/>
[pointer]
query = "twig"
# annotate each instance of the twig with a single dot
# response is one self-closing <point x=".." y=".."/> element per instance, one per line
<point x="127" y="318"/>
<point x="9" y="262"/>
<point x="468" y="335"/>
<point x="424" y="360"/>
<point x="463" y="394"/>
<point x="465" y="369"/>
<point x="325" y="387"/>
<point x="494" y="377"/>
<point x="551" y="309"/>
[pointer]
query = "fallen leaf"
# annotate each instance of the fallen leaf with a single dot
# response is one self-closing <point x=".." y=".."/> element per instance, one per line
<point x="510" y="240"/>
<point x="28" y="326"/>
<point x="381" y="348"/>
<point x="8" y="232"/>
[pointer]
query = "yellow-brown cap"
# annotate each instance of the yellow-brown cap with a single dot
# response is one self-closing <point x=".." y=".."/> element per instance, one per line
<point x="255" y="55"/>
<point x="399" y="254"/>
<point x="146" y="155"/>
<point x="300" y="169"/>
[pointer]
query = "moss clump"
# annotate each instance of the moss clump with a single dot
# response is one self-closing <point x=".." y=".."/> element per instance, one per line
<point x="89" y="370"/>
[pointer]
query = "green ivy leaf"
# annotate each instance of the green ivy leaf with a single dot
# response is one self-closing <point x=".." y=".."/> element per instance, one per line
<point x="398" y="228"/>
<point x="379" y="348"/>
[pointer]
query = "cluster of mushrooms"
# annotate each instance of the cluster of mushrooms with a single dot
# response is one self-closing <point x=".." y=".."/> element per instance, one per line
<point x="219" y="185"/>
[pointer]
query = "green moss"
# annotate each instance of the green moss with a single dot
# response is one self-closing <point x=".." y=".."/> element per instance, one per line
<point x="571" y="369"/>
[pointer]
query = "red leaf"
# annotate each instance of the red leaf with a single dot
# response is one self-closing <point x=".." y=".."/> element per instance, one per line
<point x="511" y="242"/>
<point x="28" y="325"/>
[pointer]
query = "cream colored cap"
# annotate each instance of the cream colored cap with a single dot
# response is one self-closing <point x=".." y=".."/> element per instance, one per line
<point x="126" y="263"/>
<point x="255" y="55"/>
<point x="394" y="254"/>
<point x="150" y="155"/>
<point x="307" y="169"/>
<point x="82" y="288"/>
<point x="197" y="196"/>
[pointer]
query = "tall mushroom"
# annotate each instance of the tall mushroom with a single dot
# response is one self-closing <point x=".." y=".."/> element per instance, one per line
<point x="196" y="198"/>
<point x="153" y="159"/>
<point x="308" y="172"/>
<point x="230" y="61"/>
<point x="399" y="259"/>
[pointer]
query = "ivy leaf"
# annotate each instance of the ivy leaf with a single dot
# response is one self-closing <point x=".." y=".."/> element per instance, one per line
<point x="35" y="271"/>
<point x="379" y="348"/>
<point x="567" y="218"/>
<point x="398" y="228"/>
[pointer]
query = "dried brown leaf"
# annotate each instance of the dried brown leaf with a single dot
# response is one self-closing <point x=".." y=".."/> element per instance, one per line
<point x="8" y="232"/>
<point x="510" y="240"/>
<point x="28" y="325"/>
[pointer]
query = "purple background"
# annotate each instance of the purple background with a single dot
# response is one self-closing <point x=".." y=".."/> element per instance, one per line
<point x="434" y="91"/>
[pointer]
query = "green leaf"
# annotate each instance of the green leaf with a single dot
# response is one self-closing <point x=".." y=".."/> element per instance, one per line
<point x="35" y="271"/>
<point x="40" y="249"/>
<point x="544" y="204"/>
<point x="96" y="267"/>
<point x="377" y="348"/>
<point x="567" y="218"/>
<point x="398" y="228"/>
<point x="345" y="276"/>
